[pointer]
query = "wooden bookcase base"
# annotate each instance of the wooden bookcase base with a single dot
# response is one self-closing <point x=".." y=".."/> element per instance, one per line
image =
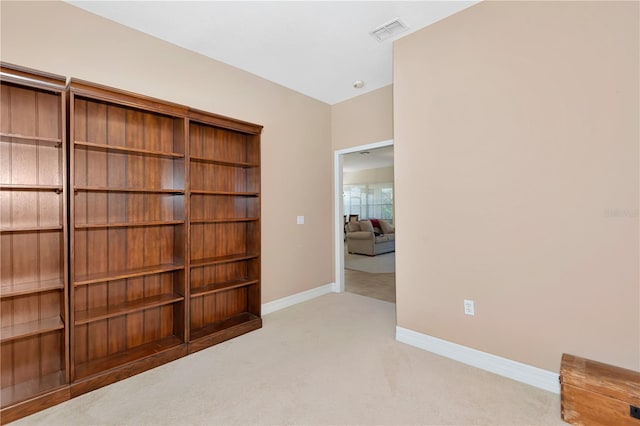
<point x="116" y="374"/>
<point x="246" y="323"/>
<point x="104" y="378"/>
<point x="35" y="404"/>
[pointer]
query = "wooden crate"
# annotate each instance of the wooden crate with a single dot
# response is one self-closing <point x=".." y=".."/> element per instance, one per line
<point x="594" y="393"/>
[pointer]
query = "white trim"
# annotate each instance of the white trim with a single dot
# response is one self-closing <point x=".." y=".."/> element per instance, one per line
<point x="294" y="299"/>
<point x="338" y="208"/>
<point x="518" y="371"/>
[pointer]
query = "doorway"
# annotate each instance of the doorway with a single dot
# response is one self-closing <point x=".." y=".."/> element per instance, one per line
<point x="363" y="192"/>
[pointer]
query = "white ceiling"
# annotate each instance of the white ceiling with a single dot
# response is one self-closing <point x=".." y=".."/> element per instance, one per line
<point x="375" y="159"/>
<point x="318" y="48"/>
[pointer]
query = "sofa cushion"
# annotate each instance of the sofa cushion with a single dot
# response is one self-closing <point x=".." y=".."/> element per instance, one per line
<point x="386" y="227"/>
<point x="385" y="237"/>
<point x="365" y="225"/>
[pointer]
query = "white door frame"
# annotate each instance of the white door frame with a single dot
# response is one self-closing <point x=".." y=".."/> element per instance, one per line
<point x="339" y="208"/>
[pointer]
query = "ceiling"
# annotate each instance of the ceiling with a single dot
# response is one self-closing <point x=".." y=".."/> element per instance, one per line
<point x="375" y="159"/>
<point x="318" y="48"/>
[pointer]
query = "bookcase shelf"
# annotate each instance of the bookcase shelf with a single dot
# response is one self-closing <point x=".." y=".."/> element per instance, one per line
<point x="218" y="287"/>
<point x="24" y="288"/>
<point x="223" y="259"/>
<point x="223" y="163"/>
<point x="26" y="139"/>
<point x="30" y="187"/>
<point x="33" y="277"/>
<point x="32" y="388"/>
<point x="232" y="193"/>
<point x="226" y="220"/>
<point x="97" y="314"/>
<point x="145" y="190"/>
<point x="46" y="228"/>
<point x="126" y="150"/>
<point x="129" y="224"/>
<point x="121" y="275"/>
<point x="222" y="325"/>
<point x="31" y="328"/>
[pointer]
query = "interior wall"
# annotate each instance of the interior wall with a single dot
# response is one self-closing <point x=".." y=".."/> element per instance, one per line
<point x="296" y="143"/>
<point x="363" y="120"/>
<point x="516" y="146"/>
<point x="377" y="175"/>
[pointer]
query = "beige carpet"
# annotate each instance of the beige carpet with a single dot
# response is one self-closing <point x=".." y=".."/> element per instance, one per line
<point x="380" y="264"/>
<point x="330" y="361"/>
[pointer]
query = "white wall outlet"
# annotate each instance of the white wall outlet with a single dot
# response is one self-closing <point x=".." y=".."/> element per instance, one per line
<point x="469" y="308"/>
<point x="300" y="220"/>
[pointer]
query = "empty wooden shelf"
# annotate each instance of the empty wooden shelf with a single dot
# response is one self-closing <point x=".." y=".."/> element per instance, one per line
<point x="128" y="233"/>
<point x="33" y="274"/>
<point x="224" y="228"/>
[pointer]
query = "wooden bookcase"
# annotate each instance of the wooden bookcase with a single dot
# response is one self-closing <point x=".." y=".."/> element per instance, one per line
<point x="146" y="248"/>
<point x="33" y="217"/>
<point x="224" y="228"/>
<point x="128" y="234"/>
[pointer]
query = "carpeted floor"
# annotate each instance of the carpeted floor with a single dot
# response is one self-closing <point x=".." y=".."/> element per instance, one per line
<point x="378" y="286"/>
<point x="380" y="264"/>
<point x="330" y="361"/>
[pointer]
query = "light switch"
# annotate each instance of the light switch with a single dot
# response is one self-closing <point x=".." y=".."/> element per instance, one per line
<point x="300" y="220"/>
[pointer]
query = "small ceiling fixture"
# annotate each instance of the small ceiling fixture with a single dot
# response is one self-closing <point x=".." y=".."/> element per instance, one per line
<point x="388" y="30"/>
<point x="364" y="153"/>
<point x="358" y="84"/>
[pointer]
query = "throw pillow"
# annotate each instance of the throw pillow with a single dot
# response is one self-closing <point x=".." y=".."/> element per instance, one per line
<point x="353" y="226"/>
<point x="365" y="225"/>
<point x="386" y="227"/>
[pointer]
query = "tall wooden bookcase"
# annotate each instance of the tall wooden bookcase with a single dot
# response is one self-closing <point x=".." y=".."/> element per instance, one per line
<point x="128" y="234"/>
<point x="33" y="216"/>
<point x="224" y="227"/>
<point x="145" y="249"/>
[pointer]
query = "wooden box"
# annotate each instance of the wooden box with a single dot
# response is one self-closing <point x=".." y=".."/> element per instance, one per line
<point x="594" y="393"/>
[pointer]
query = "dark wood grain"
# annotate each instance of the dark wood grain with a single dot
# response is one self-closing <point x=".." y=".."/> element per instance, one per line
<point x="33" y="272"/>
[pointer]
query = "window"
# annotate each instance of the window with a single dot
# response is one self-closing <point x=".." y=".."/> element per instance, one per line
<point x="369" y="201"/>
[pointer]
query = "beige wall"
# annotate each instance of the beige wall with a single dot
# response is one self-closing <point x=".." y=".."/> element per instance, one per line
<point x="379" y="175"/>
<point x="516" y="146"/>
<point x="62" y="39"/>
<point x="362" y="120"/>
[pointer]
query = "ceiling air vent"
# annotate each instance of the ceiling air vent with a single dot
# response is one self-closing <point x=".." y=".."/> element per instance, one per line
<point x="388" y="30"/>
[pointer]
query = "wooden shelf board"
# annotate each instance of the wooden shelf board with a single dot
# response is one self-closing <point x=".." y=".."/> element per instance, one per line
<point x="6" y="230"/>
<point x="222" y="325"/>
<point x="147" y="190"/>
<point x="116" y="360"/>
<point x="27" y="139"/>
<point x="129" y="224"/>
<point x="130" y="273"/>
<point x="32" y="388"/>
<point x="32" y="328"/>
<point x="223" y="259"/>
<point x="13" y="290"/>
<point x="218" y="287"/>
<point x="228" y="220"/>
<point x="127" y="150"/>
<point x="242" y="164"/>
<point x="236" y="193"/>
<point x="29" y="187"/>
<point x="97" y="314"/>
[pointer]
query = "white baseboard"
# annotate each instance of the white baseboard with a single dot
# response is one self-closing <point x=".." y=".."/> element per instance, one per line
<point x="524" y="373"/>
<point x="294" y="299"/>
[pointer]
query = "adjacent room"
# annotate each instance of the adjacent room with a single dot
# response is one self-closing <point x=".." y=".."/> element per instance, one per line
<point x="369" y="228"/>
<point x="192" y="231"/>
